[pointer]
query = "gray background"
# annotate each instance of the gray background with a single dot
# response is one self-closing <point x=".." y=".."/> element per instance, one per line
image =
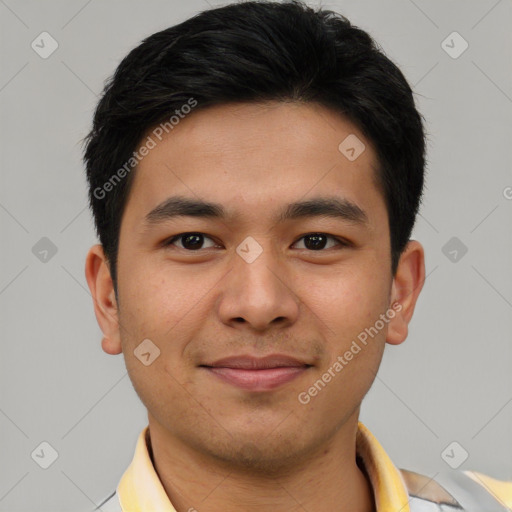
<point x="450" y="381"/>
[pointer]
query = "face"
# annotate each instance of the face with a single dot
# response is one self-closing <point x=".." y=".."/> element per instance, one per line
<point x="315" y="288"/>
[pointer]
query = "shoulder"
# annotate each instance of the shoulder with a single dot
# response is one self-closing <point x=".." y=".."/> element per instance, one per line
<point x="457" y="491"/>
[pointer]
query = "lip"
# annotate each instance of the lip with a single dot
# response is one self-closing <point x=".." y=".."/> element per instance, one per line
<point x="247" y="362"/>
<point x="257" y="374"/>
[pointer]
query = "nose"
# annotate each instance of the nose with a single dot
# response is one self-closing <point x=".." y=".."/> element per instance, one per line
<point x="258" y="294"/>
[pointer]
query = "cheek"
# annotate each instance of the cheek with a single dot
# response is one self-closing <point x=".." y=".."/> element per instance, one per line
<point x="154" y="298"/>
<point x="349" y="305"/>
<point x="163" y="305"/>
<point x="350" y="300"/>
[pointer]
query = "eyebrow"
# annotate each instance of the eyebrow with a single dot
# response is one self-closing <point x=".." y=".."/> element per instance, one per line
<point x="180" y="206"/>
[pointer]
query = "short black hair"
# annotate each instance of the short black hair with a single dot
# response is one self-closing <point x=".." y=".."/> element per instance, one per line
<point x="256" y="51"/>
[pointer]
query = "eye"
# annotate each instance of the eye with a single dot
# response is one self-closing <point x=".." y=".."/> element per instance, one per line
<point x="317" y="241"/>
<point x="195" y="241"/>
<point x="191" y="241"/>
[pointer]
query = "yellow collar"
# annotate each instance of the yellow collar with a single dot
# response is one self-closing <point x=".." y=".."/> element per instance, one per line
<point x="140" y="489"/>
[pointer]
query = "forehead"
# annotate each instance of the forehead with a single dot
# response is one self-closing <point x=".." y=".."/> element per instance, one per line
<point x="255" y="158"/>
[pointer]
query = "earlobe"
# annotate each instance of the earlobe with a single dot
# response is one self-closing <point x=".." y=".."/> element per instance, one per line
<point x="407" y="284"/>
<point x="97" y="273"/>
<point x="110" y="346"/>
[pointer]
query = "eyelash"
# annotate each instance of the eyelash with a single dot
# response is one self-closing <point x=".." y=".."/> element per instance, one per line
<point x="341" y="242"/>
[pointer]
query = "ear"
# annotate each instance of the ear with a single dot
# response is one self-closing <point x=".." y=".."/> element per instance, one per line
<point x="97" y="273"/>
<point x="407" y="284"/>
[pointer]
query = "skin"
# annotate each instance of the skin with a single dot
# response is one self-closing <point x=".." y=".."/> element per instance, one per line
<point x="217" y="447"/>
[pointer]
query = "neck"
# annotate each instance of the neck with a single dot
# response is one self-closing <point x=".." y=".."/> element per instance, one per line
<point x="328" y="479"/>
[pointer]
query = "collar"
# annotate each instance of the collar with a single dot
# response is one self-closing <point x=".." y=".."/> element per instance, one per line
<point x="140" y="488"/>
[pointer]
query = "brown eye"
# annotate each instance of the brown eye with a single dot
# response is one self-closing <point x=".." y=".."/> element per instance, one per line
<point x="318" y="241"/>
<point x="195" y="241"/>
<point x="189" y="241"/>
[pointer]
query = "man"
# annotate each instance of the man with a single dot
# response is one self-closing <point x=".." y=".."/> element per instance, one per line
<point x="255" y="173"/>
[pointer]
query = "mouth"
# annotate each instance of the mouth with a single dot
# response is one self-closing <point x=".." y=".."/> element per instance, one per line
<point x="257" y="374"/>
